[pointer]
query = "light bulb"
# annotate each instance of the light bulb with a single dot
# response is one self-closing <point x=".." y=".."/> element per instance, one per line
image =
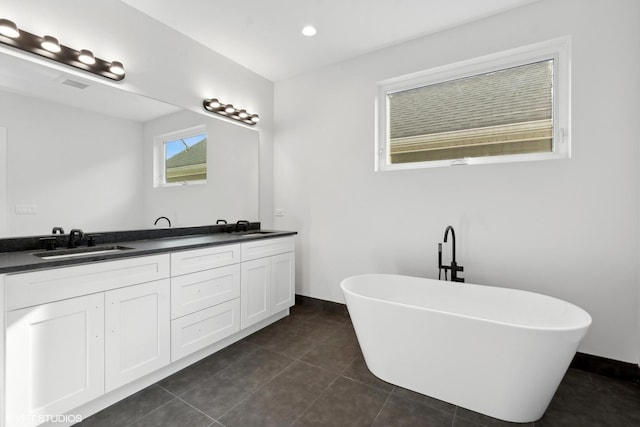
<point x="86" y="57"/>
<point x="255" y="118"/>
<point x="51" y="44"/>
<point x="9" y="28"/>
<point x="243" y="114"/>
<point x="117" y="68"/>
<point x="229" y="109"/>
<point x="214" y="103"/>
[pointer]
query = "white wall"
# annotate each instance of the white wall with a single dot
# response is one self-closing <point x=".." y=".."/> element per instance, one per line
<point x="160" y="63"/>
<point x="567" y="228"/>
<point x="82" y="169"/>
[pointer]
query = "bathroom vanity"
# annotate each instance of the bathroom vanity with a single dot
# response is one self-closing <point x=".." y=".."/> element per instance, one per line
<point x="81" y="334"/>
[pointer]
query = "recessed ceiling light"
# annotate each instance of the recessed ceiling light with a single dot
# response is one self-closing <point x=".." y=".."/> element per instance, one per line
<point x="309" y="31"/>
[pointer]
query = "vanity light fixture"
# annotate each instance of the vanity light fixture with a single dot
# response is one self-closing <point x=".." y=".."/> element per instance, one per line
<point x="49" y="47"/>
<point x="214" y="105"/>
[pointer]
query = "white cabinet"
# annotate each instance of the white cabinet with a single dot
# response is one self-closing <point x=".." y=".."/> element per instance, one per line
<point x="59" y="355"/>
<point x="54" y="358"/>
<point x="256" y="295"/>
<point x="137" y="332"/>
<point x="74" y="333"/>
<point x="267" y="283"/>
<point x="205" y="292"/>
<point x="283" y="281"/>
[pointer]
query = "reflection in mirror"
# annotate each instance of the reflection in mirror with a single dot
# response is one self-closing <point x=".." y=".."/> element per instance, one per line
<point x="81" y="157"/>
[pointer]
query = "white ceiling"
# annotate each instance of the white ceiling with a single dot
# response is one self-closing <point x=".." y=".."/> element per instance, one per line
<point x="265" y="35"/>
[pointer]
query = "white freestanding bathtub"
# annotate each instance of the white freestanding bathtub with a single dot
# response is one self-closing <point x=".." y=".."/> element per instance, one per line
<point x="501" y="352"/>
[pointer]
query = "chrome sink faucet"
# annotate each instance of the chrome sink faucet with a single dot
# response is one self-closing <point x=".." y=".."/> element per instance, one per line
<point x="454" y="267"/>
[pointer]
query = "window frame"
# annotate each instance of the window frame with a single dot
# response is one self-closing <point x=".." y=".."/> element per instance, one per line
<point x="557" y="49"/>
<point x="159" y="156"/>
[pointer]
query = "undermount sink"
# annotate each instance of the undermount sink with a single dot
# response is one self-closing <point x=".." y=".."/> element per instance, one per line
<point x="80" y="252"/>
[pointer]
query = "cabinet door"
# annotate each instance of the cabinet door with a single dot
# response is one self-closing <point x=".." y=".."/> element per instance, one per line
<point x="137" y="323"/>
<point x="55" y="358"/>
<point x="255" y="294"/>
<point x="283" y="281"/>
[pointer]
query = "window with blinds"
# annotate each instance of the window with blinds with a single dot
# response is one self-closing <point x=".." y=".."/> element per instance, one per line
<point x="491" y="110"/>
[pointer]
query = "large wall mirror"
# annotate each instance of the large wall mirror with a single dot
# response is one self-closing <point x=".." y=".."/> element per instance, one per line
<point x="79" y="154"/>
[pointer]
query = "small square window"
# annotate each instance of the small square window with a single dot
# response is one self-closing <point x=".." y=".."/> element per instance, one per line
<point x="181" y="157"/>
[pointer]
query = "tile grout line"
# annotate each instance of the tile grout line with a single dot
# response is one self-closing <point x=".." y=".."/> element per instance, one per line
<point x="183" y="401"/>
<point x="258" y="389"/>
<point x="315" y="400"/>
<point x="382" y="407"/>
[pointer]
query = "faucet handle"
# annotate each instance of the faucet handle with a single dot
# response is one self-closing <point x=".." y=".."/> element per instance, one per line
<point x="50" y="242"/>
<point x="91" y="239"/>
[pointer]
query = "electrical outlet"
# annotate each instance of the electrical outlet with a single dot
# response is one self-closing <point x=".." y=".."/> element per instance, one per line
<point x="279" y="212"/>
<point x="26" y="209"/>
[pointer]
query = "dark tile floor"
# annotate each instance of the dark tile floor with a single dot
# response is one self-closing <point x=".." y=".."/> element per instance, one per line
<point x="307" y="370"/>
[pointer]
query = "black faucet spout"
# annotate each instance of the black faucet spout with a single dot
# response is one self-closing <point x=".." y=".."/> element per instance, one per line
<point x="453" y="241"/>
<point x="163" y="217"/>
<point x="454" y="267"/>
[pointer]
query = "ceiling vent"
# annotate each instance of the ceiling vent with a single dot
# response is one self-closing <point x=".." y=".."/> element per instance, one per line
<point x="74" y="83"/>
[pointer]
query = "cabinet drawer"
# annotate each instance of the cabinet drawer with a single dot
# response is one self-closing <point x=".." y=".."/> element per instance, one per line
<point x="39" y="287"/>
<point x="197" y="291"/>
<point x="204" y="259"/>
<point x="197" y="330"/>
<point x="267" y="247"/>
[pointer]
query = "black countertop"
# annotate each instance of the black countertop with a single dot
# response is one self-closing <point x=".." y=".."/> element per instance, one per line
<point x="25" y="260"/>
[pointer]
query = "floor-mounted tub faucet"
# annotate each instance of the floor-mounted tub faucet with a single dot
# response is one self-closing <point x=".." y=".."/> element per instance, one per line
<point x="454" y="267"/>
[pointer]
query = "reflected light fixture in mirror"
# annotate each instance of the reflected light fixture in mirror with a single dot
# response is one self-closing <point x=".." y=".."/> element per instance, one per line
<point x="49" y="47"/>
<point x="213" y="105"/>
<point x="51" y="44"/>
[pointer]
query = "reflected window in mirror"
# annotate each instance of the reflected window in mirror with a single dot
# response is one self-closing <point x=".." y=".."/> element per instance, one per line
<point x="180" y="157"/>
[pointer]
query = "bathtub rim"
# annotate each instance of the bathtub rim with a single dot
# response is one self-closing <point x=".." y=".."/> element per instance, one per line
<point x="579" y="309"/>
